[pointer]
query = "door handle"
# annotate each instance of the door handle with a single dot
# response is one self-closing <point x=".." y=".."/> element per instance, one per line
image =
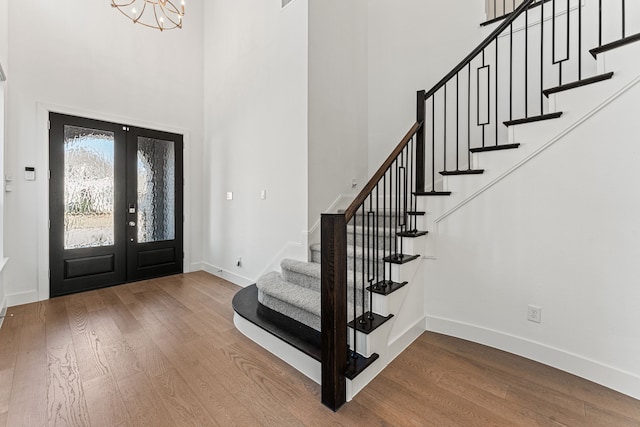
<point x="132" y="223"/>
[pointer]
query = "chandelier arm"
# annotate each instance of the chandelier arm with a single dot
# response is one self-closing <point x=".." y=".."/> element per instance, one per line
<point x="155" y="13"/>
<point x="171" y="13"/>
<point x="114" y="4"/>
<point x="168" y="18"/>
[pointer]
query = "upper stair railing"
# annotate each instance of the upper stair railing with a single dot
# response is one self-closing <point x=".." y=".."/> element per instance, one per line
<point x="537" y="49"/>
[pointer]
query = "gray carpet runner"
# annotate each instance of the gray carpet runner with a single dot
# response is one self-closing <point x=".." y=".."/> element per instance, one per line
<point x="296" y="291"/>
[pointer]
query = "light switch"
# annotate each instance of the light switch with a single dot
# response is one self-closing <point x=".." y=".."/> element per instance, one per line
<point x="263" y="194"/>
<point x="229" y="195"/>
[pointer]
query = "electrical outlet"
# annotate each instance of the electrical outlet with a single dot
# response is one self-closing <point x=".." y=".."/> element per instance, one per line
<point x="534" y="314"/>
<point x="229" y="195"/>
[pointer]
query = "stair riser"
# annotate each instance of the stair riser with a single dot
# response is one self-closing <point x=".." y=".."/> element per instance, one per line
<point x="367" y="344"/>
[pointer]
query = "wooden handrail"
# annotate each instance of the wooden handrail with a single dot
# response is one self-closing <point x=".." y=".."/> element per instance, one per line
<point x="371" y="185"/>
<point x="482" y="46"/>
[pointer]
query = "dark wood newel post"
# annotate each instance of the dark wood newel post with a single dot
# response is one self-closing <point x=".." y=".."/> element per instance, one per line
<point x="334" y="309"/>
<point x="420" y="148"/>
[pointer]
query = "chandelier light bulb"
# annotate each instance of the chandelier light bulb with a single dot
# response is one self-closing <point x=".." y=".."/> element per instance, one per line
<point x="159" y="14"/>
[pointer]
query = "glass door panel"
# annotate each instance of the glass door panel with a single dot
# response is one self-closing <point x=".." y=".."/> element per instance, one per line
<point x="156" y="190"/>
<point x="89" y="190"/>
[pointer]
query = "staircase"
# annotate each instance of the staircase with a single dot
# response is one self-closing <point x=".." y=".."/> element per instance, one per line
<point x="359" y="302"/>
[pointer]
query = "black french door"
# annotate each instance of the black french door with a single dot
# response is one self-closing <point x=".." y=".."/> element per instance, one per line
<point x="115" y="204"/>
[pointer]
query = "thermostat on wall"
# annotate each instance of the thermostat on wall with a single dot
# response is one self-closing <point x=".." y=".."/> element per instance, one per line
<point x="30" y="173"/>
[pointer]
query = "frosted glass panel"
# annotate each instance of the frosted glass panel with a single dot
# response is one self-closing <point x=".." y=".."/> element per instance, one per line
<point x="88" y="187"/>
<point x="156" y="190"/>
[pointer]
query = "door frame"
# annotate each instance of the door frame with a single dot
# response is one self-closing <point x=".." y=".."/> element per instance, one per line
<point x="42" y="180"/>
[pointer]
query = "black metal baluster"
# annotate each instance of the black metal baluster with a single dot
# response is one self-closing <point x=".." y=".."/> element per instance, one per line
<point x="541" y="57"/>
<point x="599" y="22"/>
<point x="371" y="265"/>
<point x="457" y="121"/>
<point x="433" y="143"/>
<point x="363" y="266"/>
<point x="497" y="80"/>
<point x="376" y="248"/>
<point x="526" y="63"/>
<point x="354" y="354"/>
<point x="384" y="230"/>
<point x="624" y="21"/>
<point x="412" y="221"/>
<point x="469" y="117"/>
<point x="579" y="40"/>
<point x="510" y="72"/>
<point x="445" y="129"/>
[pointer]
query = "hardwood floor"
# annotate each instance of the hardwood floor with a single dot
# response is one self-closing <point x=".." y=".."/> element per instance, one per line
<point x="165" y="352"/>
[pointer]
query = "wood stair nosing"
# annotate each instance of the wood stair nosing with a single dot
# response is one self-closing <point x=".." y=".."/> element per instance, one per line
<point x="614" y="45"/>
<point x="368" y="322"/>
<point x="494" y="148"/>
<point x="462" y="172"/>
<point x="578" y="83"/>
<point x="533" y="119"/>
<point x="432" y="193"/>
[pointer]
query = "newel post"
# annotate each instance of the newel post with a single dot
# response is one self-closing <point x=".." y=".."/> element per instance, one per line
<point x="334" y="309"/>
<point x="420" y="147"/>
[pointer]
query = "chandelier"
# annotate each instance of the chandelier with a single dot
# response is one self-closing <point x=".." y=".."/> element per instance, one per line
<point x="159" y="14"/>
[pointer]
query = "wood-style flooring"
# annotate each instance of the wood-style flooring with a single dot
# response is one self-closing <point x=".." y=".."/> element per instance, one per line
<point x="165" y="352"/>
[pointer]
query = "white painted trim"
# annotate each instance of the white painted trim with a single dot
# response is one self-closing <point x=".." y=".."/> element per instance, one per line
<point x="291" y="250"/>
<point x="338" y="203"/>
<point x="3" y="310"/>
<point x="22" y="298"/>
<point x="600" y="373"/>
<point x="42" y="132"/>
<point x="540" y="150"/>
<point x="234" y="278"/>
<point x="284" y="351"/>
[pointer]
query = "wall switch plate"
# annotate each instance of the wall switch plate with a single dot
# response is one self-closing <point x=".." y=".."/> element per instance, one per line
<point x="229" y="195"/>
<point x="263" y="194"/>
<point x="534" y="314"/>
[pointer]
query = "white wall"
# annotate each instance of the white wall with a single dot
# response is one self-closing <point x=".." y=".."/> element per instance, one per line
<point x="255" y="133"/>
<point x="338" y="101"/>
<point x="559" y="232"/>
<point x="412" y="45"/>
<point x="4" y="56"/>
<point x="86" y="58"/>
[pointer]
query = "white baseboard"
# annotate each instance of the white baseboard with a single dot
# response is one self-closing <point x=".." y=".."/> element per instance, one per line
<point x="294" y="357"/>
<point x="22" y="298"/>
<point x="3" y="310"/>
<point x="194" y="266"/>
<point x="236" y="279"/>
<point x="608" y="376"/>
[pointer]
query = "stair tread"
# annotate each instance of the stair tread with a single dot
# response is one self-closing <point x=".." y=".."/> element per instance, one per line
<point x="533" y="119"/>
<point x="463" y="172"/>
<point x="578" y="83"/>
<point x="494" y="148"/>
<point x="296" y="334"/>
<point x="614" y="45"/>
